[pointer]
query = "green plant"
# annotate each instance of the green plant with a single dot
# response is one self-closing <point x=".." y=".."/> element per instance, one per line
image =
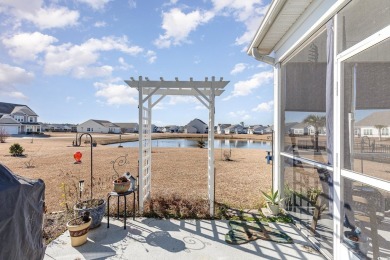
<point x="272" y="197"/>
<point x="312" y="194"/>
<point x="16" y="149"/>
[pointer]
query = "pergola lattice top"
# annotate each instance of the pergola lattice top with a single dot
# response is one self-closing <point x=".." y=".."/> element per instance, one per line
<point x="205" y="91"/>
<point x="177" y="87"/>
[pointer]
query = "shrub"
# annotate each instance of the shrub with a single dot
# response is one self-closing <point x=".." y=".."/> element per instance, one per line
<point x="3" y="135"/>
<point x="16" y="150"/>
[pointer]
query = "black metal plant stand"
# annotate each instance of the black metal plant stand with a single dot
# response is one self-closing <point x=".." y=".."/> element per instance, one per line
<point x="78" y="143"/>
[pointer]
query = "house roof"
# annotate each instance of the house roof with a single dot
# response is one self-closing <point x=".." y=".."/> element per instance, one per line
<point x="224" y="125"/>
<point x="280" y="17"/>
<point x="104" y="123"/>
<point x="9" y="108"/>
<point x="376" y="118"/>
<point x="234" y="126"/>
<point x="5" y="119"/>
<point x="127" y="125"/>
<point x="23" y="110"/>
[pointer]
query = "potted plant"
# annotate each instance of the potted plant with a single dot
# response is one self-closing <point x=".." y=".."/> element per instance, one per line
<point x="96" y="208"/>
<point x="272" y="200"/>
<point x="78" y="229"/>
<point x="121" y="185"/>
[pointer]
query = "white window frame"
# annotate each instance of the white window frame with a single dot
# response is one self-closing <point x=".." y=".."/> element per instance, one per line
<point x="343" y="251"/>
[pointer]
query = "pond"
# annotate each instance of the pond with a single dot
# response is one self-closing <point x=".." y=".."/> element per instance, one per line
<point x="193" y="143"/>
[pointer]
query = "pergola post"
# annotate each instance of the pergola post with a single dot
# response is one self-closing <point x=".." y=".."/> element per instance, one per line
<point x="204" y="91"/>
<point x="211" y="179"/>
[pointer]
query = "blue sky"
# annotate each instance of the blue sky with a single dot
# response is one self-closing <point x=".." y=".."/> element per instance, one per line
<point x="68" y="60"/>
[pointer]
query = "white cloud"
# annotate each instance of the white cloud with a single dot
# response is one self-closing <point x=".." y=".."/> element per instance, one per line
<point x="249" y="12"/>
<point x="26" y="46"/>
<point x="22" y="5"/>
<point x="174" y="100"/>
<point x="11" y="76"/>
<point x="178" y="25"/>
<point x="265" y="106"/>
<point x="200" y="107"/>
<point x="91" y="72"/>
<point x="16" y="94"/>
<point x="99" y="24"/>
<point x="244" y="88"/>
<point x="151" y="55"/>
<point x="78" y="59"/>
<point x="124" y="65"/>
<point x="132" y="4"/>
<point x="95" y="4"/>
<point x="238" y="68"/>
<point x="69" y="98"/>
<point x="116" y="94"/>
<point x="241" y="115"/>
<point x="34" y="11"/>
<point x="52" y="17"/>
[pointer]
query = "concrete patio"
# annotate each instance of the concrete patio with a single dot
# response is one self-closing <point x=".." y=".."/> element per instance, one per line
<point x="147" y="238"/>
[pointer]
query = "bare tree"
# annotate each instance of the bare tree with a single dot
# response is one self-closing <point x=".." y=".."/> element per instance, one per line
<point x="3" y="134"/>
<point x="380" y="127"/>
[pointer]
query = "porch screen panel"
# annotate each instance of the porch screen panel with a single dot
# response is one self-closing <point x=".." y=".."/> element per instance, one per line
<point x="367" y="111"/>
<point x="368" y="213"/>
<point x="360" y="19"/>
<point x="304" y="101"/>
<point x="306" y="186"/>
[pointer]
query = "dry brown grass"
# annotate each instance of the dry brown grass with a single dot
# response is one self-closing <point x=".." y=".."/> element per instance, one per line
<point x="180" y="171"/>
<point x="179" y="176"/>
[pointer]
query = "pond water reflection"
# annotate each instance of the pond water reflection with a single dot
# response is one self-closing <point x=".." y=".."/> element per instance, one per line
<point x="188" y="143"/>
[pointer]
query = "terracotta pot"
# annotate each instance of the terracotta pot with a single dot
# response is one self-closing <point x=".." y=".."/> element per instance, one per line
<point x="121" y="187"/>
<point x="78" y="233"/>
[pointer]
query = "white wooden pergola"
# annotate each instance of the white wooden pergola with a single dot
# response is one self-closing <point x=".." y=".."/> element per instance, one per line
<point x="205" y="91"/>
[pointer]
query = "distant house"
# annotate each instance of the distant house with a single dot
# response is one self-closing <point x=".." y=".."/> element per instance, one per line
<point x="170" y="129"/>
<point x="234" y="129"/>
<point x="256" y="129"/>
<point x="58" y="127"/>
<point x="196" y="126"/>
<point x="18" y="119"/>
<point x="98" y="126"/>
<point x="299" y="129"/>
<point x="128" y="127"/>
<point x="366" y="126"/>
<point x="221" y="128"/>
<point x="268" y="130"/>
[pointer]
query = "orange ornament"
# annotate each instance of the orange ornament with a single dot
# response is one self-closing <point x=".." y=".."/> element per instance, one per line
<point x="77" y="156"/>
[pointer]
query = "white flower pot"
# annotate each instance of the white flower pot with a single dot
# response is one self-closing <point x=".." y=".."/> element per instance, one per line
<point x="273" y="208"/>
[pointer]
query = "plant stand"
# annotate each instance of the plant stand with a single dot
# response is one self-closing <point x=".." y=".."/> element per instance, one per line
<point x="124" y="196"/>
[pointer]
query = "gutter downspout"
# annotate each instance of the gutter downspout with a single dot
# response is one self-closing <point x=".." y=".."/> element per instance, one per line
<point x="263" y="58"/>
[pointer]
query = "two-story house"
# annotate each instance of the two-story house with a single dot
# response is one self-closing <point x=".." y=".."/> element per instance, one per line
<point x="18" y="119"/>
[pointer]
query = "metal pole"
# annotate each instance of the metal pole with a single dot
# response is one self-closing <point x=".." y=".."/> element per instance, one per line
<point x="90" y="136"/>
<point x="272" y="154"/>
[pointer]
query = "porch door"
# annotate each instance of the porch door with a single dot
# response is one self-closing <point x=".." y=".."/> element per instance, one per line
<point x="364" y="117"/>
